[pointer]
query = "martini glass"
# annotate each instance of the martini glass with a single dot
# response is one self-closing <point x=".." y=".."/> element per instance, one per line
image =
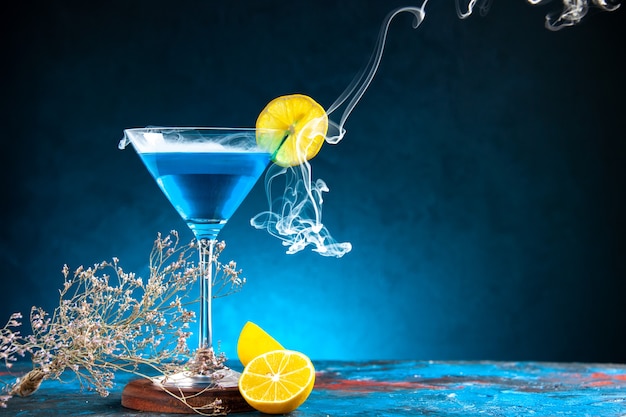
<point x="205" y="173"/>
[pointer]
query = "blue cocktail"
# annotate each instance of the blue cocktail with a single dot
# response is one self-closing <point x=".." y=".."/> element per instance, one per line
<point x="205" y="173"/>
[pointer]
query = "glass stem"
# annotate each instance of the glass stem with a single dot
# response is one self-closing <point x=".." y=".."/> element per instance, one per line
<point x="205" y="248"/>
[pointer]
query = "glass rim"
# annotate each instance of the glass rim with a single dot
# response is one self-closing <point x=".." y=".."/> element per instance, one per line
<point x="200" y="128"/>
<point x="169" y="135"/>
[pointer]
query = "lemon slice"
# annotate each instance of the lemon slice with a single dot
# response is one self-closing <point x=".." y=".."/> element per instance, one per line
<point x="277" y="382"/>
<point x="292" y="128"/>
<point x="254" y="341"/>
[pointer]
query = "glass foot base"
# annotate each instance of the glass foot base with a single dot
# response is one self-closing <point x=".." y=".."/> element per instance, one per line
<point x="205" y="370"/>
<point x="221" y="378"/>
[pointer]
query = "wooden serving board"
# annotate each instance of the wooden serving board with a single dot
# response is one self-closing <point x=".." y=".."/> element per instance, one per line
<point x="144" y="395"/>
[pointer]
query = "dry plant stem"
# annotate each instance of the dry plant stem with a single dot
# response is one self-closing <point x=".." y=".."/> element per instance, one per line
<point x="211" y="409"/>
<point x="109" y="321"/>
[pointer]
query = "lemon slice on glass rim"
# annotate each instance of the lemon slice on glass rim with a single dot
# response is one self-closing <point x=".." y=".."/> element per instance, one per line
<point x="292" y="128"/>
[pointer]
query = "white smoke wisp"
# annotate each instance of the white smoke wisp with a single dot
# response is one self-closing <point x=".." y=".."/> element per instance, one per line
<point x="190" y="139"/>
<point x="295" y="216"/>
<point x="295" y="209"/>
<point x="464" y="9"/>
<point x="357" y="88"/>
<point x="572" y="12"/>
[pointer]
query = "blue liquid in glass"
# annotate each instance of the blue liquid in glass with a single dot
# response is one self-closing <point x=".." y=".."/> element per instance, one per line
<point x="206" y="187"/>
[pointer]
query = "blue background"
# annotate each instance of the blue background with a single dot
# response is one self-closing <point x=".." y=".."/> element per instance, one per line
<point x="481" y="181"/>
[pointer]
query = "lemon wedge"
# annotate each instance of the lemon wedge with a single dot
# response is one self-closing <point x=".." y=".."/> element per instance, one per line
<point x="292" y="128"/>
<point x="254" y="341"/>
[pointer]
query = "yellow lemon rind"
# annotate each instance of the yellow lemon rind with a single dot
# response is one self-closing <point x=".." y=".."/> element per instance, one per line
<point x="254" y="341"/>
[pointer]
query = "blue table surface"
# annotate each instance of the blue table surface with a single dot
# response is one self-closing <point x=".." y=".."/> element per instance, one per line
<point x="392" y="388"/>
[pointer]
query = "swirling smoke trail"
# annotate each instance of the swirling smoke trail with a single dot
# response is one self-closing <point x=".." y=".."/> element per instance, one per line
<point x="572" y="13"/>
<point x="295" y="216"/>
<point x="361" y="82"/>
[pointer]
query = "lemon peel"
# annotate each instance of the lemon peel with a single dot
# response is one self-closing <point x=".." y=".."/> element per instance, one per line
<point x="254" y="341"/>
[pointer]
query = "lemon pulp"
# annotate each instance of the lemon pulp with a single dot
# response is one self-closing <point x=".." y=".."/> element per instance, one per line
<point x="278" y="381"/>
